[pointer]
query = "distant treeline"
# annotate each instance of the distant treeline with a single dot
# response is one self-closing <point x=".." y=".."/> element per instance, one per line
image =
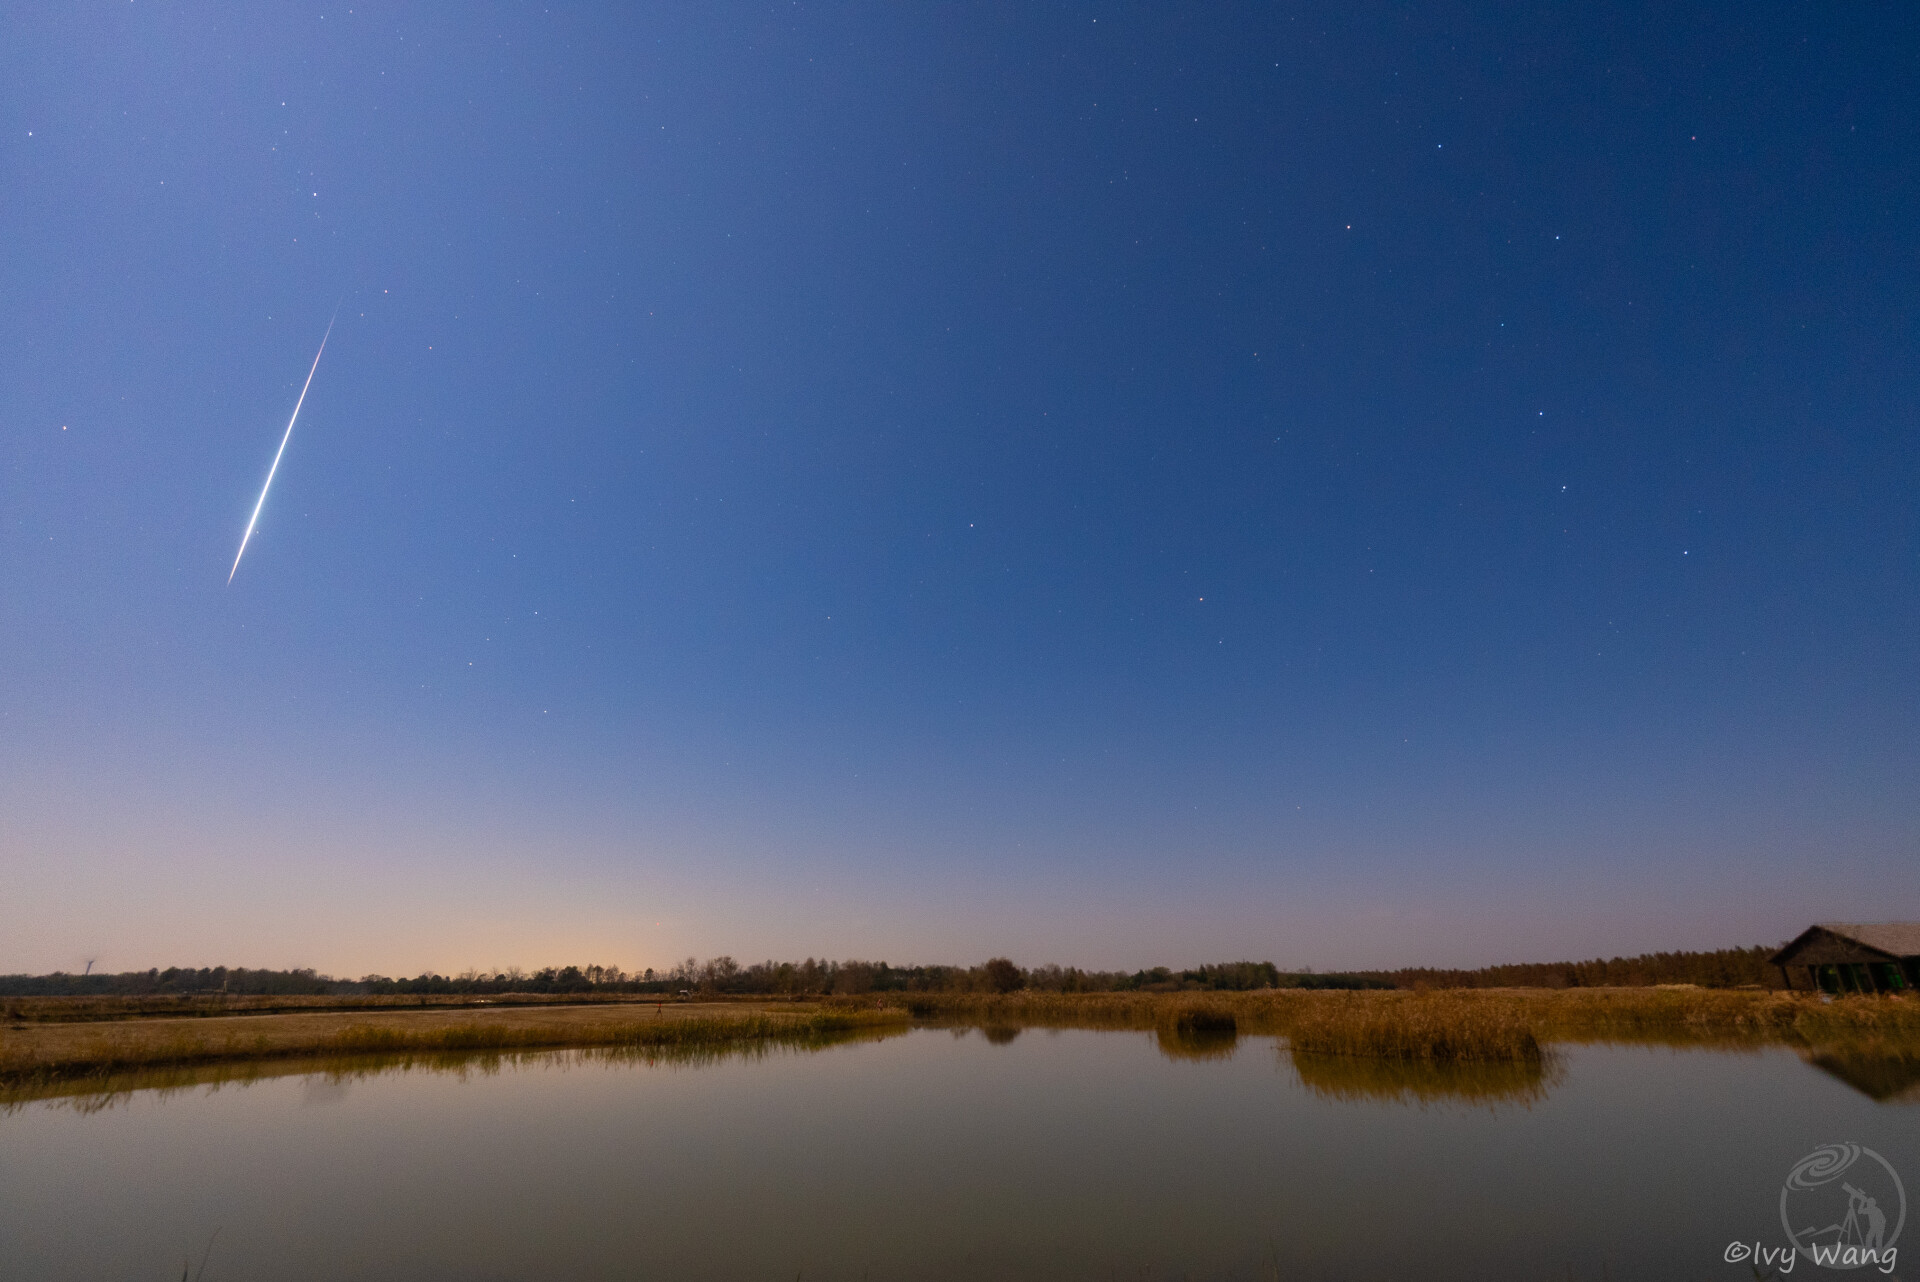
<point x="173" y="980"/>
<point x="819" y="977"/>
<point x="719" y="975"/>
<point x="1725" y="968"/>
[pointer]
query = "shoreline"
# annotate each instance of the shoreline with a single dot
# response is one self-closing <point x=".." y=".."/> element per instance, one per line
<point x="1435" y="1026"/>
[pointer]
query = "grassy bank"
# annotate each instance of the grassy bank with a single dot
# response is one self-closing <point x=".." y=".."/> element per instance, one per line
<point x="29" y="1056"/>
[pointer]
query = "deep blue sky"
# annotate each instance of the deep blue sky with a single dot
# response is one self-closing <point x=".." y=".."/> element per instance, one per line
<point x="1104" y="483"/>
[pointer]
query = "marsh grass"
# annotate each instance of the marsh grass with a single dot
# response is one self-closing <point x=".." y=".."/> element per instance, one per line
<point x="1197" y="1030"/>
<point x="1463" y="1024"/>
<point x="1438" y="1026"/>
<point x="1415" y="1027"/>
<point x="133" y="1046"/>
<point x="103" y="1091"/>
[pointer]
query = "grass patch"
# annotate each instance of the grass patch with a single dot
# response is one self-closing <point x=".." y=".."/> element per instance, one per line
<point x="1433" y="1028"/>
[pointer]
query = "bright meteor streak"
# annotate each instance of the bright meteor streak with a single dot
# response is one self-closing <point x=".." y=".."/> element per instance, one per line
<point x="282" y="450"/>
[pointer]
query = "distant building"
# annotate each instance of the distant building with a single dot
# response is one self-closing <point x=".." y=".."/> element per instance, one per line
<point x="1850" y="957"/>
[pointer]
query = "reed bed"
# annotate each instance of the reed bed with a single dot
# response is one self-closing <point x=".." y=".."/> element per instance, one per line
<point x="120" y="1048"/>
<point x="1457" y="1023"/>
<point x="1415" y="1027"/>
<point x="1439" y="1026"/>
<point x="1039" y="1010"/>
<point x="101" y="1091"/>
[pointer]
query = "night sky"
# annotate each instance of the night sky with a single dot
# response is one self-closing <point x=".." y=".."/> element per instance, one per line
<point x="1105" y="484"/>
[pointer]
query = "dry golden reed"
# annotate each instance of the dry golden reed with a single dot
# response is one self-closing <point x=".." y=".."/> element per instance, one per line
<point x="1440" y="1022"/>
<point x="121" y="1047"/>
<point x="1414" y="1026"/>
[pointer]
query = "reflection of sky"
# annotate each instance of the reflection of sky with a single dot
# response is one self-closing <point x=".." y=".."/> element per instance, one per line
<point x="1120" y="492"/>
<point x="1054" y="1154"/>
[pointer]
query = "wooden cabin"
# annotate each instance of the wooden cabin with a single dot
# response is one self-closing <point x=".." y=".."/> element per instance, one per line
<point x="1853" y="957"/>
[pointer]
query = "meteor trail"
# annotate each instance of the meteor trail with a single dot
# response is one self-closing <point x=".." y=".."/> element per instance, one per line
<point x="282" y="450"/>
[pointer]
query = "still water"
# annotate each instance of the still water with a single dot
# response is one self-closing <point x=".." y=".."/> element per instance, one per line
<point x="936" y="1154"/>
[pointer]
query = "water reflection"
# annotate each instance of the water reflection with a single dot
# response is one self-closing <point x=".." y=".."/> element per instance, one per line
<point x="321" y="1090"/>
<point x="1348" y="1078"/>
<point x="1197" y="1043"/>
<point x="1887" y="1072"/>
<point x="1886" y="1076"/>
<point x="932" y="1154"/>
<point x="328" y="1077"/>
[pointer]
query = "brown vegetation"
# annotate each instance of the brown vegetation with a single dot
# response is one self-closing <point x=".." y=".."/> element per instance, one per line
<point x="1453" y="1027"/>
<point x="1450" y="1023"/>
<point x="1449" y="1028"/>
<point x="58" y="1051"/>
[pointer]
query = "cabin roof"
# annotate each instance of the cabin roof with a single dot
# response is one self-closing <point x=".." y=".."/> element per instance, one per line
<point x="1899" y="938"/>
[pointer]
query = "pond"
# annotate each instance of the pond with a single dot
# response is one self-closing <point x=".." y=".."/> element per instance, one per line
<point x="933" y="1153"/>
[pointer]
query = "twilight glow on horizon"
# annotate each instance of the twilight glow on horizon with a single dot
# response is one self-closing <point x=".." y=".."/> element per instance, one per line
<point x="1106" y="484"/>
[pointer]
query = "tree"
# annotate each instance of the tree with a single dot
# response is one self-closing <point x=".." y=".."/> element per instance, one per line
<point x="1003" y="976"/>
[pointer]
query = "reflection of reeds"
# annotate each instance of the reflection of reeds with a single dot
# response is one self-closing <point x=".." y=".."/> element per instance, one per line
<point x="1348" y="1078"/>
<point x="1880" y="1068"/>
<point x="119" y="1048"/>
<point x="1192" y="1044"/>
<point x="99" y="1092"/>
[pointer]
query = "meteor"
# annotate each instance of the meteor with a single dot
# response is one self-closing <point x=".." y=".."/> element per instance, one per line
<point x="282" y="450"/>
